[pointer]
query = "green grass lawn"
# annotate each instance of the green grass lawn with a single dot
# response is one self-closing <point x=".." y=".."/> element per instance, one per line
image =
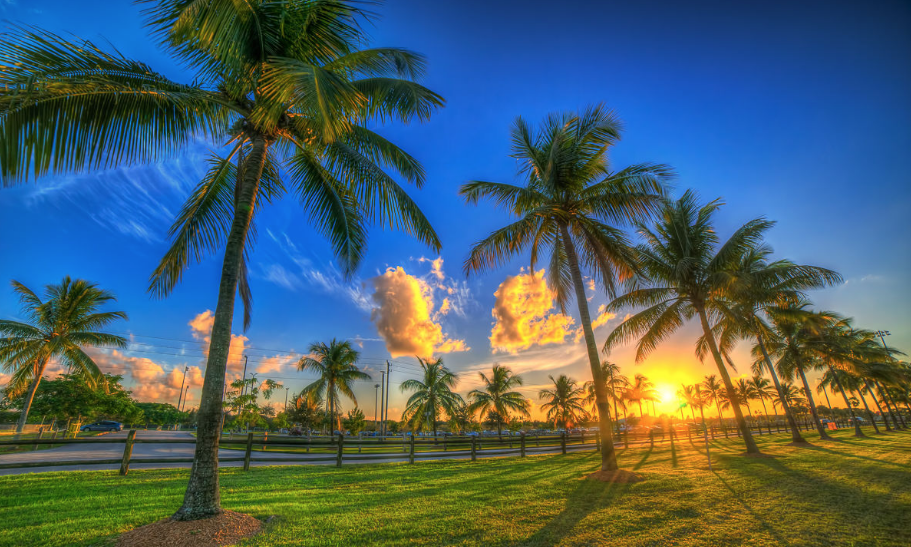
<point x="846" y="492"/>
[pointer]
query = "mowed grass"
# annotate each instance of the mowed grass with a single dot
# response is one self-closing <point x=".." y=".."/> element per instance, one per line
<point x="846" y="492"/>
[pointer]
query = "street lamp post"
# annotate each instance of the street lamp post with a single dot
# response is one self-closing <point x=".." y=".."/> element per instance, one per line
<point x="180" y="393"/>
<point x="376" y="395"/>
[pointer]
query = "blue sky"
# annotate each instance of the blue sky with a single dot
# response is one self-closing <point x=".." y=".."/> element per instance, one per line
<point x="796" y="111"/>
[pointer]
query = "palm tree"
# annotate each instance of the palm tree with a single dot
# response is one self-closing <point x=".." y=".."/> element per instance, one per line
<point x="570" y="207"/>
<point x="744" y="392"/>
<point x="614" y="383"/>
<point x="713" y="390"/>
<point x="498" y="397"/>
<point x="754" y="285"/>
<point x="432" y="395"/>
<point x="794" y="396"/>
<point x="682" y="271"/>
<point x="336" y="365"/>
<point x="762" y="390"/>
<point x="565" y="403"/>
<point x="641" y="389"/>
<point x="283" y="91"/>
<point x="794" y="343"/>
<point x="56" y="328"/>
<point x="692" y="397"/>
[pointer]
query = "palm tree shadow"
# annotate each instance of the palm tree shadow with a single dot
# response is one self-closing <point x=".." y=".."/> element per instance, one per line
<point x="762" y="522"/>
<point x="588" y="497"/>
<point x="645" y="458"/>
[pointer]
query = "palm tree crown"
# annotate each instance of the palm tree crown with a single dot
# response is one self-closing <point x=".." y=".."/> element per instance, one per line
<point x="497" y="395"/>
<point x="336" y="364"/>
<point x="56" y="328"/>
<point x="432" y="396"/>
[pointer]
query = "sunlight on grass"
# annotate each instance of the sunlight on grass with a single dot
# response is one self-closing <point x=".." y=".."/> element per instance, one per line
<point x="849" y="492"/>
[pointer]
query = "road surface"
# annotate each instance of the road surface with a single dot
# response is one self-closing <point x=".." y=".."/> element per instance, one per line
<point x="163" y="448"/>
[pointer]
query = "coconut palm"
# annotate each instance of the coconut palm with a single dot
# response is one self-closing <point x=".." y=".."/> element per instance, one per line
<point x="762" y="390"/>
<point x="691" y="397"/>
<point x="432" y="396"/>
<point x="336" y="365"/>
<point x="641" y="389"/>
<point x="57" y="328"/>
<point x="794" y="343"/>
<point x="713" y="391"/>
<point x="683" y="268"/>
<point x="564" y="403"/>
<point x="284" y="93"/>
<point x="570" y="207"/>
<point x="743" y="392"/>
<point x="841" y="380"/>
<point x="614" y="382"/>
<point x="498" y="396"/>
<point x="755" y="284"/>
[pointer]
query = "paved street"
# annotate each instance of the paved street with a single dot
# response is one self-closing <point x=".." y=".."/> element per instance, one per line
<point x="164" y="448"/>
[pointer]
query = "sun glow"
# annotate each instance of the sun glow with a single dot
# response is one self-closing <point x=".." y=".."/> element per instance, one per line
<point x="667" y="395"/>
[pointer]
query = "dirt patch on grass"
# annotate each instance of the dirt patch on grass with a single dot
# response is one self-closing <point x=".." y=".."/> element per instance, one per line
<point x="620" y="476"/>
<point x="225" y="529"/>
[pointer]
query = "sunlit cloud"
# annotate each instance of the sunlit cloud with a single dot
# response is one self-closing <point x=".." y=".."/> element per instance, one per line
<point x="403" y="316"/>
<point x="201" y="329"/>
<point x="524" y="315"/>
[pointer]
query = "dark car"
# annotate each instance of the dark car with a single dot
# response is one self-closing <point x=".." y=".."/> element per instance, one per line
<point x="103" y="425"/>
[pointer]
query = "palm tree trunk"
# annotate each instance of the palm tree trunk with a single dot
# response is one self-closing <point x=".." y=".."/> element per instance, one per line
<point x="751" y="446"/>
<point x="813" y="411"/>
<point x="30" y="396"/>
<point x="721" y="419"/>
<point x="869" y="412"/>
<point x="766" y="412"/>
<point x="704" y="425"/>
<point x="885" y="399"/>
<point x="641" y="414"/>
<point x="608" y="456"/>
<point x="857" y="431"/>
<point x="878" y="406"/>
<point x="203" y="498"/>
<point x="796" y="437"/>
<point x="613" y="391"/>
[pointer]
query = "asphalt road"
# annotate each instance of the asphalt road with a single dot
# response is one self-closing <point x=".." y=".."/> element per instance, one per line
<point x="163" y="448"/>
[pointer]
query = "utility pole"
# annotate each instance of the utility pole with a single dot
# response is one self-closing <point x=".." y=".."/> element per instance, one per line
<point x="382" y="424"/>
<point x="180" y="393"/>
<point x="376" y="399"/>
<point x="185" y="397"/>
<point x="286" y="399"/>
<point x="388" y="375"/>
<point x="243" y="388"/>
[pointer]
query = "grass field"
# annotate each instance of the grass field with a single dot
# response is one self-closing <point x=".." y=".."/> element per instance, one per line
<point x="847" y="492"/>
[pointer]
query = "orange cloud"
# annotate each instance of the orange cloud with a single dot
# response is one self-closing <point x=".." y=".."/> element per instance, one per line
<point x="523" y="314"/>
<point x="403" y="317"/>
<point x="201" y="328"/>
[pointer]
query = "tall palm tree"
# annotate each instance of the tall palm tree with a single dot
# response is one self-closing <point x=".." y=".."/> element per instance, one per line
<point x="690" y="396"/>
<point x="283" y="91"/>
<point x="839" y="380"/>
<point x="564" y="403"/>
<point x="683" y="270"/>
<point x="570" y="207"/>
<point x="57" y="328"/>
<point x="793" y="395"/>
<point x="755" y="284"/>
<point x="498" y="395"/>
<point x="794" y="343"/>
<point x="713" y="391"/>
<point x="762" y="390"/>
<point x="432" y="396"/>
<point x="641" y="389"/>
<point x="336" y="365"/>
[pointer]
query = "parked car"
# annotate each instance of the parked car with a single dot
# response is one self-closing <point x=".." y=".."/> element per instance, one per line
<point x="103" y="425"/>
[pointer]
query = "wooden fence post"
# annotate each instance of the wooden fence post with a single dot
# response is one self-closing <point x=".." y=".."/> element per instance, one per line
<point x="626" y="439"/>
<point x="360" y="441"/>
<point x="249" y="451"/>
<point x="474" y="449"/>
<point x="537" y="440"/>
<point x="265" y="439"/>
<point x="38" y="438"/>
<point x="127" y="453"/>
<point x="563" y="441"/>
<point x="522" y="443"/>
<point x="411" y="450"/>
<point x="444" y="443"/>
<point x="582" y="434"/>
<point x="341" y="449"/>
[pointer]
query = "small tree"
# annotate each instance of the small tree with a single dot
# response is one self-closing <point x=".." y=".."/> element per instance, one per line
<point x="355" y="422"/>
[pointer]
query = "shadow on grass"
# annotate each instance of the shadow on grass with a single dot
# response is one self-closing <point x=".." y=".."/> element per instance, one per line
<point x="588" y="497"/>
